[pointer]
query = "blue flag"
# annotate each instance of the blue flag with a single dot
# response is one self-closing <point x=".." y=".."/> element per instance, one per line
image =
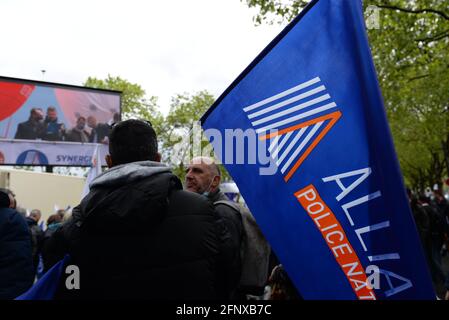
<point x="45" y="288"/>
<point x="304" y="134"/>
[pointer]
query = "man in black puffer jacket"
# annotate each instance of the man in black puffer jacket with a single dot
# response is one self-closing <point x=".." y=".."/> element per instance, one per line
<point x="137" y="234"/>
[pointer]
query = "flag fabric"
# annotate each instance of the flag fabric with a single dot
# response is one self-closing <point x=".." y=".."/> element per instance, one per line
<point x="94" y="171"/>
<point x="40" y="267"/>
<point x="335" y="210"/>
<point x="45" y="288"/>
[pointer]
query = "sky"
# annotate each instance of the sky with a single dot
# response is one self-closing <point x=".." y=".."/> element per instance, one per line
<point x="168" y="47"/>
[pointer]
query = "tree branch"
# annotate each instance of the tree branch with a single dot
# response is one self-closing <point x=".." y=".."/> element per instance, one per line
<point x="427" y="10"/>
<point x="436" y="37"/>
<point x="418" y="77"/>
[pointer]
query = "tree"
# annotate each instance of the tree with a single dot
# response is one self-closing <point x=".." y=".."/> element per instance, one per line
<point x="411" y="54"/>
<point x="182" y="135"/>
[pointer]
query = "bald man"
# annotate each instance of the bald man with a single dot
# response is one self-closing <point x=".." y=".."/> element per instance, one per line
<point x="203" y="176"/>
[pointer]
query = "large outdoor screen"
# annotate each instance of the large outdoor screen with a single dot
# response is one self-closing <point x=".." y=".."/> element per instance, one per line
<point x="53" y="124"/>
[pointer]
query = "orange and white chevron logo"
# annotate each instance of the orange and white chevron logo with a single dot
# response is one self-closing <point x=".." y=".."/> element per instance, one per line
<point x="294" y="121"/>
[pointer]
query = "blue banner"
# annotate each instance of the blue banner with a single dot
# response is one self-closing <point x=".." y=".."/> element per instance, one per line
<point x="45" y="288"/>
<point x="304" y="134"/>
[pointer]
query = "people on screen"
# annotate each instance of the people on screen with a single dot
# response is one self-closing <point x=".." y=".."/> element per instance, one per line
<point x="54" y="131"/>
<point x="78" y="133"/>
<point x="49" y="129"/>
<point x="99" y="131"/>
<point x="33" y="128"/>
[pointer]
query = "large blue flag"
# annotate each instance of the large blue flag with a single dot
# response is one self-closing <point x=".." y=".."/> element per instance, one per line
<point x="322" y="178"/>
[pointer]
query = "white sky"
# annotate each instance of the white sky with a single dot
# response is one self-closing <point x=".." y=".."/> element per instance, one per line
<point x="168" y="47"/>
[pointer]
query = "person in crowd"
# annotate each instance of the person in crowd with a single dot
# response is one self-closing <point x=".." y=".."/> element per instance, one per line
<point x="99" y="131"/>
<point x="61" y="213"/>
<point x="16" y="262"/>
<point x="21" y="211"/>
<point x="36" y="235"/>
<point x="53" y="131"/>
<point x="33" y="128"/>
<point x="282" y="287"/>
<point x="442" y="204"/>
<point x="137" y="234"/>
<point x="53" y="223"/>
<point x="437" y="236"/>
<point x="78" y="133"/>
<point x="203" y="177"/>
<point x="422" y="223"/>
<point x="250" y="251"/>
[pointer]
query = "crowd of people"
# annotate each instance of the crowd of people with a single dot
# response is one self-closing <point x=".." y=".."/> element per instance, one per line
<point x="48" y="128"/>
<point x="140" y="234"/>
<point x="431" y="213"/>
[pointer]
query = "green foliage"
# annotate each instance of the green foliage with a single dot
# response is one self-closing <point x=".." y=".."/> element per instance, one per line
<point x="183" y="131"/>
<point x="411" y="54"/>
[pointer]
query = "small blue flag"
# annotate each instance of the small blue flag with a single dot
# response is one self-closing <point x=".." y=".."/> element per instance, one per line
<point x="45" y="288"/>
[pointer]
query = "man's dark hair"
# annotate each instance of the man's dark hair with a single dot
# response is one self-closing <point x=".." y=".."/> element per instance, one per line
<point x="132" y="140"/>
<point x="424" y="199"/>
<point x="33" y="111"/>
<point x="4" y="197"/>
<point x="51" y="109"/>
<point x="4" y="200"/>
<point x="7" y="191"/>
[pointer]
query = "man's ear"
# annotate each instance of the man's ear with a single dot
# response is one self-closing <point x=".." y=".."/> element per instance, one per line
<point x="158" y="157"/>
<point x="109" y="161"/>
<point x="215" y="182"/>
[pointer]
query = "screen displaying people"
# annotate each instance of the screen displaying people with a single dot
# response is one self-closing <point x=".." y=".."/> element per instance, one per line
<point x="46" y="112"/>
<point x="50" y="129"/>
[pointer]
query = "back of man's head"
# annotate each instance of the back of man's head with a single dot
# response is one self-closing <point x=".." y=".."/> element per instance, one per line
<point x="424" y="199"/>
<point x="5" y="201"/>
<point x="133" y="140"/>
<point x="35" y="214"/>
<point x="7" y="198"/>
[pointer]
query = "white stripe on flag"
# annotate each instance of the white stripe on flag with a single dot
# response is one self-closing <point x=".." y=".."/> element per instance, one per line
<point x="286" y="102"/>
<point x="273" y="143"/>
<point x="297" y="117"/>
<point x="282" y="94"/>
<point x="290" y="146"/>
<point x="284" y="139"/>
<point x="301" y="146"/>
<point x="293" y="109"/>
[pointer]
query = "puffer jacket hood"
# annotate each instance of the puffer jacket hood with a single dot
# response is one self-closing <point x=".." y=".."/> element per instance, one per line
<point x="128" y="173"/>
<point x="128" y="199"/>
